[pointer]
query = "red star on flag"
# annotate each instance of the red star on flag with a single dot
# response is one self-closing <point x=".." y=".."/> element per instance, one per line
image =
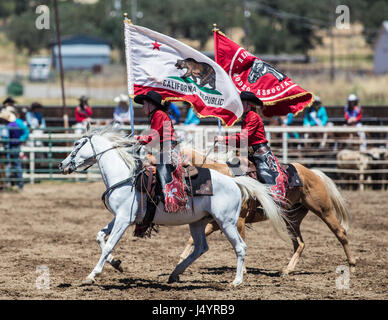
<point x="156" y="45"/>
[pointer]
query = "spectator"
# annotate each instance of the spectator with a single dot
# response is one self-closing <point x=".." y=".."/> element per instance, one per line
<point x="353" y="116"/>
<point x="353" y="111"/>
<point x="191" y="117"/>
<point x="20" y="123"/>
<point x="36" y="123"/>
<point x="122" y="114"/>
<point x="35" y="118"/>
<point x="174" y="112"/>
<point x="316" y="115"/>
<point x="15" y="134"/>
<point x="83" y="114"/>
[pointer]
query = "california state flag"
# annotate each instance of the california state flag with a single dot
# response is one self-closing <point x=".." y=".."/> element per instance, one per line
<point x="280" y="95"/>
<point x="178" y="72"/>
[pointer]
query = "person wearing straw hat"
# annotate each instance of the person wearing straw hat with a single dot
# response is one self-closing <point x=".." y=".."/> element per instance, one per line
<point x="169" y="170"/>
<point x="122" y="114"/>
<point x="14" y="136"/>
<point x="268" y="169"/>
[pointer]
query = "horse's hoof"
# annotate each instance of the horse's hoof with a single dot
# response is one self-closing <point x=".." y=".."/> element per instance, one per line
<point x="352" y="269"/>
<point x="236" y="283"/>
<point x="88" y="282"/>
<point x="173" y="279"/>
<point x="116" y="264"/>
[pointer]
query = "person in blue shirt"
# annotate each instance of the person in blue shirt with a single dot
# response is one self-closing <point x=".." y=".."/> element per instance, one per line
<point x="14" y="136"/>
<point x="35" y="118"/>
<point x="316" y="115"/>
<point x="191" y="117"/>
<point x="122" y="113"/>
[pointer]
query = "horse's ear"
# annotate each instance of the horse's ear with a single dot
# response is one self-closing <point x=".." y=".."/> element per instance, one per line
<point x="87" y="126"/>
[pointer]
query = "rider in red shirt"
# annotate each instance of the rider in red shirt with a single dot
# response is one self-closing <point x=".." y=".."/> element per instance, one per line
<point x="267" y="166"/>
<point x="169" y="172"/>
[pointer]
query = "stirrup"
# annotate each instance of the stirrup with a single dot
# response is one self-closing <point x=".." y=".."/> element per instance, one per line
<point x="143" y="230"/>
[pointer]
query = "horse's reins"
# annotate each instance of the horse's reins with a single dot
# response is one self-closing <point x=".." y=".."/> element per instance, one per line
<point x="94" y="156"/>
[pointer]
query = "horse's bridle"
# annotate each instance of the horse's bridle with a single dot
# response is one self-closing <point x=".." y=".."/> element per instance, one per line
<point x="93" y="157"/>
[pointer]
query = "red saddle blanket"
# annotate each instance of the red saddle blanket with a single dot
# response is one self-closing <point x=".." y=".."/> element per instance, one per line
<point x="287" y="178"/>
<point x="197" y="182"/>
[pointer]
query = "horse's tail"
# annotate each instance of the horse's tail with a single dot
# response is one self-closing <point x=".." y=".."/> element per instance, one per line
<point x="338" y="201"/>
<point x="253" y="189"/>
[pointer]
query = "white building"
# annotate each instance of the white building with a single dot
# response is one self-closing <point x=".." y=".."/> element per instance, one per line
<point x="39" y="68"/>
<point x="381" y="50"/>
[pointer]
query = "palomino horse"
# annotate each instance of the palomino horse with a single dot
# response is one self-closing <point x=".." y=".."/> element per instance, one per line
<point x="119" y="170"/>
<point x="318" y="194"/>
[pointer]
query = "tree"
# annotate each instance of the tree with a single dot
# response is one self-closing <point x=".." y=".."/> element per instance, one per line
<point x="24" y="34"/>
<point x="283" y="26"/>
<point x="6" y="8"/>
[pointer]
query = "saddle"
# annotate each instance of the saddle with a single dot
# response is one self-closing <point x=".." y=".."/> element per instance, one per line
<point x="237" y="166"/>
<point x="198" y="181"/>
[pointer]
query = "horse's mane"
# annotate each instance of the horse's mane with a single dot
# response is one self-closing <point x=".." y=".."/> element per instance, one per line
<point x="119" y="139"/>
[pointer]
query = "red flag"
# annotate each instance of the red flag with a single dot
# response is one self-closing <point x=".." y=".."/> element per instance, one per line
<point x="278" y="92"/>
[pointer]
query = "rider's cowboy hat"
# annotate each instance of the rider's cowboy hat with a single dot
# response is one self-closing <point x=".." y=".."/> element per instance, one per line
<point x="121" y="98"/>
<point x="7" y="115"/>
<point x="83" y="99"/>
<point x="150" y="96"/>
<point x="250" y="96"/>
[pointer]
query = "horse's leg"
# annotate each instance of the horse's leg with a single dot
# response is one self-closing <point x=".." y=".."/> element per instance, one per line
<point x="239" y="247"/>
<point x="332" y="222"/>
<point x="120" y="225"/>
<point x="210" y="228"/>
<point x="293" y="225"/>
<point x="323" y="208"/>
<point x="241" y="231"/>
<point x="101" y="242"/>
<point x="197" y="230"/>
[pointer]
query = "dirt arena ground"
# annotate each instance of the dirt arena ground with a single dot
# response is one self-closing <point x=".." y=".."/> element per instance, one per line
<point x="54" y="225"/>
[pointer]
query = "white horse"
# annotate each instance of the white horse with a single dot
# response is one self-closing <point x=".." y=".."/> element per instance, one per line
<point x="119" y="168"/>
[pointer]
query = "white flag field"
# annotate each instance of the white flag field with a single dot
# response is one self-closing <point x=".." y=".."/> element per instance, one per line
<point x="178" y="72"/>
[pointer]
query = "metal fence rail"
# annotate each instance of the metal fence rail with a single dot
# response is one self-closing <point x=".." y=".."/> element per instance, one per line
<point x="317" y="147"/>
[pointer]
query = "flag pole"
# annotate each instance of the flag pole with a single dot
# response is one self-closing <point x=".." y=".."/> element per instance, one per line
<point x="131" y="95"/>
<point x="64" y="109"/>
<point x="215" y="29"/>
